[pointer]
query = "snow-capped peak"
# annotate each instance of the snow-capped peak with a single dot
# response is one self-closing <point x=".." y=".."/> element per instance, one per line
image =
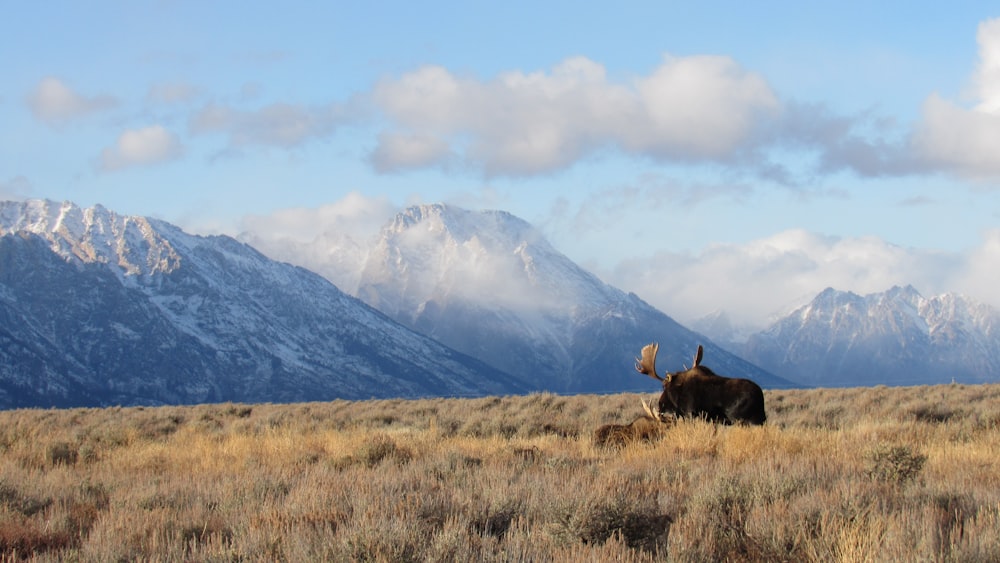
<point x="894" y="336"/>
<point x="439" y="252"/>
<point x="494" y="229"/>
<point x="92" y="234"/>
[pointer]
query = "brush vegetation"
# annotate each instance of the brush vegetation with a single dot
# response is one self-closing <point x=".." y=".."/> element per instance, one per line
<point x="866" y="474"/>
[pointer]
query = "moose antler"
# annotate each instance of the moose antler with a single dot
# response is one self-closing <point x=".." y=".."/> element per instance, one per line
<point x="650" y="412"/>
<point x="647" y="363"/>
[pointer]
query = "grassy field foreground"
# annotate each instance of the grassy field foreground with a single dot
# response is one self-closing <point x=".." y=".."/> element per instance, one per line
<point x="875" y="474"/>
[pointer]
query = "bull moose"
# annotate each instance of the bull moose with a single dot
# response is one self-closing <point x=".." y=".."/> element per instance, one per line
<point x="700" y="392"/>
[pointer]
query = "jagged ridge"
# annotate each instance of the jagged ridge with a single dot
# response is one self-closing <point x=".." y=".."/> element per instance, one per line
<point x="894" y="337"/>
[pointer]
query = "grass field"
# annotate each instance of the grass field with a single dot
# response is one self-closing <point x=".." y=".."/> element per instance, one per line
<point x="866" y="474"/>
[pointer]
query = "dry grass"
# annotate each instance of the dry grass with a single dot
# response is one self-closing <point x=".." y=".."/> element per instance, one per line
<point x="879" y="474"/>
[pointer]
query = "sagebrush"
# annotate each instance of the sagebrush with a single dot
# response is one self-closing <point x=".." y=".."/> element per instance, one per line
<point x="873" y="474"/>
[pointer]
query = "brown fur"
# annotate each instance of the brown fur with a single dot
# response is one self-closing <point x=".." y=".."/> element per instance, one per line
<point x="643" y="429"/>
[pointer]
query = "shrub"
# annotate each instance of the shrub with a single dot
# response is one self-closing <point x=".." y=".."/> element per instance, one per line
<point x="637" y="521"/>
<point x="894" y="464"/>
<point x="381" y="448"/>
<point x="61" y="453"/>
<point x="13" y="500"/>
<point x="933" y="413"/>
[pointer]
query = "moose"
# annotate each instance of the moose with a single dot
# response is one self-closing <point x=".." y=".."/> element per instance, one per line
<point x="700" y="392"/>
<point x="645" y="428"/>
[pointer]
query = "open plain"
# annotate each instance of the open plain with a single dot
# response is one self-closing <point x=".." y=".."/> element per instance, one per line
<point x="859" y="474"/>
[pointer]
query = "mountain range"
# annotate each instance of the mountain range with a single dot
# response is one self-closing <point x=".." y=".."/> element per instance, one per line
<point x="98" y="309"/>
<point x="896" y="337"/>
<point x="436" y="269"/>
<point x="102" y="309"/>
<point x="489" y="285"/>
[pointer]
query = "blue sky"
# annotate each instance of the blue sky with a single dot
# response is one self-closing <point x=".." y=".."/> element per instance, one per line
<point x="706" y="155"/>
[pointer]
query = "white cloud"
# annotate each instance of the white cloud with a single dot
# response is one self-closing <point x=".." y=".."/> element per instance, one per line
<point x="689" y="108"/>
<point x="978" y="275"/>
<point x="55" y="103"/>
<point x="699" y="107"/>
<point x="986" y="80"/>
<point x="958" y="139"/>
<point x="330" y="240"/>
<point x="356" y="215"/>
<point x="137" y="147"/>
<point x="964" y="140"/>
<point x="947" y="138"/>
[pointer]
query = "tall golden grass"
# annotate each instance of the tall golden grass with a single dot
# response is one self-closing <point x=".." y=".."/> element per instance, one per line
<point x="873" y="474"/>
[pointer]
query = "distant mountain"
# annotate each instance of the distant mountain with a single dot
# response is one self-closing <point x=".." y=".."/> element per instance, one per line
<point x="102" y="309"/>
<point x="895" y="338"/>
<point x="489" y="285"/>
<point x="723" y="331"/>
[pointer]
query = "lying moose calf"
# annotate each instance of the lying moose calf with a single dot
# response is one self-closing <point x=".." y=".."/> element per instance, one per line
<point x="647" y="427"/>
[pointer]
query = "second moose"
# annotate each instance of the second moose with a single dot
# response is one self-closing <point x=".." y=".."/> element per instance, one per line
<point x="699" y="392"/>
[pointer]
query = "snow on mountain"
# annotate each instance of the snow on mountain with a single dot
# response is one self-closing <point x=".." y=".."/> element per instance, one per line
<point x="99" y="308"/>
<point x="896" y="337"/>
<point x="488" y="284"/>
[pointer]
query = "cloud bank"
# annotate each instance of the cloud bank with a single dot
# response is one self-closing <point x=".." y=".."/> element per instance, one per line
<point x="703" y="108"/>
<point x="687" y="110"/>
<point x="757" y="279"/>
<point x="330" y="240"/>
<point x="356" y="215"/>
